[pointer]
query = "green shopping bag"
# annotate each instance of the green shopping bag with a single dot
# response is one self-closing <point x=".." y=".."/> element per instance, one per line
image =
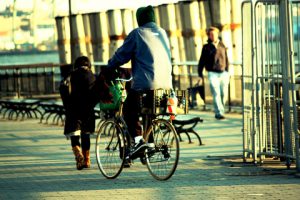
<point x="116" y="91"/>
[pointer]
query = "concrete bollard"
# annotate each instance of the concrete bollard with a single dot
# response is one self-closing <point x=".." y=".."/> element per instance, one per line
<point x="167" y="14"/>
<point x="99" y="36"/>
<point x="78" y="44"/>
<point x="220" y="12"/>
<point x="191" y="29"/>
<point x="127" y="21"/>
<point x="179" y="34"/>
<point x="167" y="22"/>
<point x="191" y="32"/>
<point x="88" y="40"/>
<point x="205" y="19"/>
<point x="236" y="33"/>
<point x="236" y="30"/>
<point x="115" y="30"/>
<point x="135" y="24"/>
<point x="118" y="29"/>
<point x="63" y="39"/>
<point x="157" y="15"/>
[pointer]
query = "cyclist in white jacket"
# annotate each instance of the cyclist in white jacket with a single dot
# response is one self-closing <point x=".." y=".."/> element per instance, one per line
<point x="148" y="49"/>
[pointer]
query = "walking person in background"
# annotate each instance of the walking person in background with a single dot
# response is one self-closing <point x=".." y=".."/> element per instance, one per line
<point x="215" y="60"/>
<point x="85" y="92"/>
<point x="80" y="119"/>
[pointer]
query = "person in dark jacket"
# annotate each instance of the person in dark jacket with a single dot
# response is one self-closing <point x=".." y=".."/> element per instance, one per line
<point x="215" y="60"/>
<point x="80" y="117"/>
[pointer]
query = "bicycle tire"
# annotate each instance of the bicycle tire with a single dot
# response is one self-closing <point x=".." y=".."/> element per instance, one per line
<point x="110" y="149"/>
<point x="162" y="160"/>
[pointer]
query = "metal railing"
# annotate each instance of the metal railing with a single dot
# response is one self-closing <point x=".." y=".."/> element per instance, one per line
<point x="29" y="80"/>
<point x="42" y="80"/>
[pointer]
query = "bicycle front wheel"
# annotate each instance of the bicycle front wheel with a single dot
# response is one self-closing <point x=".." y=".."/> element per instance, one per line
<point x="110" y="149"/>
<point x="162" y="158"/>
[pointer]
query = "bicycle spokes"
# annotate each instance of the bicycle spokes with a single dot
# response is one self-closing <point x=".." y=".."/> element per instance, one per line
<point x="110" y="149"/>
<point x="162" y="160"/>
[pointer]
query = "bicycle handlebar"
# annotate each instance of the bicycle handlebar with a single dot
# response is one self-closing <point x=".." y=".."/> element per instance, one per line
<point x="123" y="79"/>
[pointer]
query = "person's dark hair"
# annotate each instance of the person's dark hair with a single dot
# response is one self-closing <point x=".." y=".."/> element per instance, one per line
<point x="82" y="61"/>
<point x="145" y="15"/>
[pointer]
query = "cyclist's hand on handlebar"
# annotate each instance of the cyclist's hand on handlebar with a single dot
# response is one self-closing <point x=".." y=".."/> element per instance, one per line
<point x="124" y="73"/>
<point x="112" y="73"/>
<point x="109" y="74"/>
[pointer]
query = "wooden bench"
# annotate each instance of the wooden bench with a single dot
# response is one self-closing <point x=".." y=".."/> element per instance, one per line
<point x="187" y="127"/>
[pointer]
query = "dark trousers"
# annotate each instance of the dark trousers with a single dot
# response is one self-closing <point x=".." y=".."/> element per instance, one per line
<point x="131" y="112"/>
<point x="85" y="141"/>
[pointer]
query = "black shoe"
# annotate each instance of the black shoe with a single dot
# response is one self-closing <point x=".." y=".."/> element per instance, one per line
<point x="127" y="163"/>
<point x="143" y="160"/>
<point x="137" y="149"/>
<point x="219" y="117"/>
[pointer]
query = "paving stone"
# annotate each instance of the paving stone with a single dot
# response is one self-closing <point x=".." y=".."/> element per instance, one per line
<point x="36" y="162"/>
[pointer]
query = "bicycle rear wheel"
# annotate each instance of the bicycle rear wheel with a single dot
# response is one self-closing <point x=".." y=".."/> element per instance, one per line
<point x="162" y="159"/>
<point x="110" y="149"/>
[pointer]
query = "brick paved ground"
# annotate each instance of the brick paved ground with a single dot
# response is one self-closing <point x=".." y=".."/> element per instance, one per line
<point x="36" y="163"/>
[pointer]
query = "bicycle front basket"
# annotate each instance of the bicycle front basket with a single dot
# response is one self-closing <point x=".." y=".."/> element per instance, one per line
<point x="155" y="101"/>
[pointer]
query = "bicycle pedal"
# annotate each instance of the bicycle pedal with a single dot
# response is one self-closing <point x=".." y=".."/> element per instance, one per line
<point x="167" y="156"/>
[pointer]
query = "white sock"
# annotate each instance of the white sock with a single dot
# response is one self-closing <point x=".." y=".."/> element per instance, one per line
<point x="137" y="139"/>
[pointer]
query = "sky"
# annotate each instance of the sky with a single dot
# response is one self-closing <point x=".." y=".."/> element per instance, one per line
<point x="83" y="6"/>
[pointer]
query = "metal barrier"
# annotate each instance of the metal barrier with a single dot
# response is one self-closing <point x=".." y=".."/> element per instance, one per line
<point x="248" y="77"/>
<point x="270" y="126"/>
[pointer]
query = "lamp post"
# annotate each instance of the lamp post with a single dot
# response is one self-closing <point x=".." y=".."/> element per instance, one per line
<point x="13" y="23"/>
<point x="71" y="29"/>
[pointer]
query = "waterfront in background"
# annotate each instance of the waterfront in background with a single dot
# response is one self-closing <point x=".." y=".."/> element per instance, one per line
<point x="19" y="58"/>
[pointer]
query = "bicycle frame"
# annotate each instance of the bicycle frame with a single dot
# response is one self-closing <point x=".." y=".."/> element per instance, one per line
<point x="158" y="133"/>
<point x="146" y="118"/>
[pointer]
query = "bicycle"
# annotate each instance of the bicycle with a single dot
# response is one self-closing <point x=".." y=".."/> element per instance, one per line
<point x="113" y="142"/>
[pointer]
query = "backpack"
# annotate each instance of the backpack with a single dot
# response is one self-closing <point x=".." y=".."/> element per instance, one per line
<point x="65" y="89"/>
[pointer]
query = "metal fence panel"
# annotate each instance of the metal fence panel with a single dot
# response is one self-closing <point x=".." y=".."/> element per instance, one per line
<point x="269" y="78"/>
<point x="294" y="10"/>
<point x="247" y="79"/>
<point x="275" y="61"/>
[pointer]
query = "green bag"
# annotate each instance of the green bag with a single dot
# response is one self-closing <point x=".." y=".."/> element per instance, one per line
<point x="116" y="91"/>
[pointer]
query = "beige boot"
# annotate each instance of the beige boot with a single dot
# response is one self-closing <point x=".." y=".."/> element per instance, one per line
<point x="87" y="160"/>
<point x="78" y="157"/>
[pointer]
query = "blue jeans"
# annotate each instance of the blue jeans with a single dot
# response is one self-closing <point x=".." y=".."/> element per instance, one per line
<point x="218" y="83"/>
